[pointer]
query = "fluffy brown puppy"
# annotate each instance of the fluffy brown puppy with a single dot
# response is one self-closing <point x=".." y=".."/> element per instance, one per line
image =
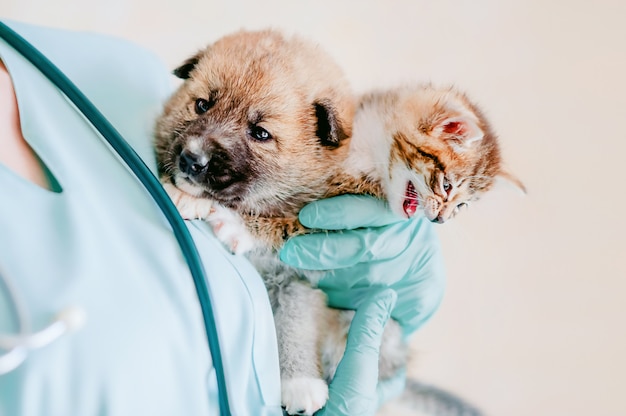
<point x="255" y="108"/>
<point x="259" y="126"/>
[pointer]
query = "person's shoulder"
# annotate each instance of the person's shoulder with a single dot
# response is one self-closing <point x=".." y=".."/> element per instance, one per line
<point x="85" y="57"/>
<point x="66" y="46"/>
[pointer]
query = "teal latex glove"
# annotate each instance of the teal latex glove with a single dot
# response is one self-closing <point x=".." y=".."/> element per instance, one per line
<point x="354" y="389"/>
<point x="373" y="247"/>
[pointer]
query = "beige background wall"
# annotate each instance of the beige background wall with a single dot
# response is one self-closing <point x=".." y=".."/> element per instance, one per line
<point x="534" y="316"/>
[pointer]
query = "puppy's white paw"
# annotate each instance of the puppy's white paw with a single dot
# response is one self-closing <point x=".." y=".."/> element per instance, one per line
<point x="189" y="207"/>
<point x="230" y="229"/>
<point x="303" y="395"/>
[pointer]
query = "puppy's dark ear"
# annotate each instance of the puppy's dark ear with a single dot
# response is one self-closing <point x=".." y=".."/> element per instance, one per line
<point x="185" y="69"/>
<point x="329" y="128"/>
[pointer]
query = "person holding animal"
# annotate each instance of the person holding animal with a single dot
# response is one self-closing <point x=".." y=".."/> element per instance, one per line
<point x="98" y="313"/>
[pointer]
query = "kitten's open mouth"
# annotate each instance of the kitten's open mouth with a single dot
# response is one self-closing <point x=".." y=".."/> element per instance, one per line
<point x="410" y="203"/>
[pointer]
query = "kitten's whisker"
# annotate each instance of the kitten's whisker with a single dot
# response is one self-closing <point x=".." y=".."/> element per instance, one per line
<point x="411" y="197"/>
<point x="420" y="185"/>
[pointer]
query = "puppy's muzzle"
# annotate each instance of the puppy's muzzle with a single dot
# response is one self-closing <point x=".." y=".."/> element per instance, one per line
<point x="212" y="170"/>
<point x="193" y="164"/>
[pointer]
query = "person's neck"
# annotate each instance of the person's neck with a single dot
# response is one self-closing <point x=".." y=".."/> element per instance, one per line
<point x="15" y="153"/>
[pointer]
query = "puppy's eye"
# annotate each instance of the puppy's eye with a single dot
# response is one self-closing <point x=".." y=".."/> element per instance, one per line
<point x="202" y="105"/>
<point x="259" y="133"/>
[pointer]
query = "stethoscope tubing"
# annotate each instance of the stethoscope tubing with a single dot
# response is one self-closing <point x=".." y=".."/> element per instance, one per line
<point x="150" y="182"/>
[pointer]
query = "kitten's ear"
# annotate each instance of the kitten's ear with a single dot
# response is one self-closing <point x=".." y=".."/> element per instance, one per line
<point x="329" y="127"/>
<point x="462" y="130"/>
<point x="184" y="70"/>
<point x="512" y="179"/>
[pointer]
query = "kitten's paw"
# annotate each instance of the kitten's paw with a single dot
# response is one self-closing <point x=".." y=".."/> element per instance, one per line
<point x="230" y="229"/>
<point x="189" y="207"/>
<point x="303" y="395"/>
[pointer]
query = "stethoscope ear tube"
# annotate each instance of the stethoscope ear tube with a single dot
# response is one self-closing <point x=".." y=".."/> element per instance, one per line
<point x="150" y="182"/>
<point x="17" y="346"/>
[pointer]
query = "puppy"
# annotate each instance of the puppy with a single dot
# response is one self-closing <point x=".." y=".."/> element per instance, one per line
<point x="257" y="130"/>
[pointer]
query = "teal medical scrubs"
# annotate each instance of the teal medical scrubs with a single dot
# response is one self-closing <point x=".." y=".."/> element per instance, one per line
<point x="97" y="242"/>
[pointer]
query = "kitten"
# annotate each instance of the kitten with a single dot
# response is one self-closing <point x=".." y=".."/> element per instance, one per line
<point x="427" y="147"/>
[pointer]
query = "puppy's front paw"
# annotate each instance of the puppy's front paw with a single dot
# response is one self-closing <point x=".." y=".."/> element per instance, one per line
<point x="189" y="207"/>
<point x="230" y="229"/>
<point x="303" y="395"/>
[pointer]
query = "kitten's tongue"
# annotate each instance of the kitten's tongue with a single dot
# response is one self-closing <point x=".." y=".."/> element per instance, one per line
<point x="410" y="200"/>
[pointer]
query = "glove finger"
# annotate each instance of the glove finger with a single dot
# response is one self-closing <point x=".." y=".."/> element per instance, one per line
<point x="325" y="251"/>
<point x="347" y="299"/>
<point x="347" y="212"/>
<point x="353" y="390"/>
<point x="366" y="274"/>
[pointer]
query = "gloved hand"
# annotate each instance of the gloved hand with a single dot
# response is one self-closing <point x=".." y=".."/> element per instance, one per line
<point x="353" y="390"/>
<point x="374" y="248"/>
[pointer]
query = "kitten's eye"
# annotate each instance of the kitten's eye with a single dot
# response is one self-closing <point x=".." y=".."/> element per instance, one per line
<point x="202" y="105"/>
<point x="462" y="205"/>
<point x="259" y="133"/>
<point x="447" y="186"/>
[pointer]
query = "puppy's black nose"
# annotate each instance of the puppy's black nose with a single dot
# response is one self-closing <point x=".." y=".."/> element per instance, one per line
<point x="193" y="164"/>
